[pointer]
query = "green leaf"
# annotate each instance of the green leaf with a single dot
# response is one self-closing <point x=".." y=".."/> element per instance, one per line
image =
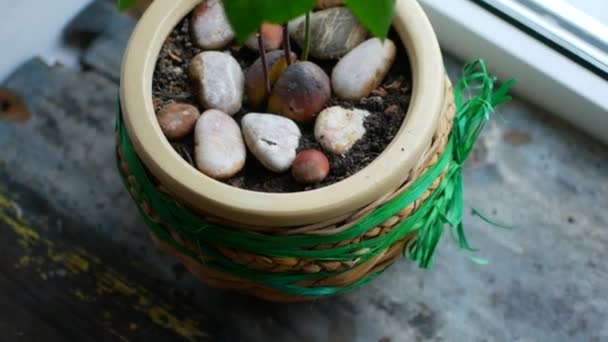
<point x="246" y="16"/>
<point x="376" y="15"/>
<point x="125" y="4"/>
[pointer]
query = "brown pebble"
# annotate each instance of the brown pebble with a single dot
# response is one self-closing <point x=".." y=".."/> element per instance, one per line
<point x="310" y="167"/>
<point x="254" y="77"/>
<point x="177" y="120"/>
<point x="300" y="92"/>
<point x="273" y="38"/>
<point x="392" y="110"/>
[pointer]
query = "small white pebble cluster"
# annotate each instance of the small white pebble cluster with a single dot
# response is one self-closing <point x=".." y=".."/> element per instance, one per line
<point x="221" y="145"/>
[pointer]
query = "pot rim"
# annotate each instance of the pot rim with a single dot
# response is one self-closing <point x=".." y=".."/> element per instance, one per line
<point x="217" y="199"/>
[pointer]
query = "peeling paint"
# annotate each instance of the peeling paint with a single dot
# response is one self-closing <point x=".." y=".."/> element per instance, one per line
<point x="27" y="234"/>
<point x="72" y="261"/>
<point x="57" y="260"/>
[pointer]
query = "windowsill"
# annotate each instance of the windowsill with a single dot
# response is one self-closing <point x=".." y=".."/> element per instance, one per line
<point x="39" y="35"/>
<point x="545" y="77"/>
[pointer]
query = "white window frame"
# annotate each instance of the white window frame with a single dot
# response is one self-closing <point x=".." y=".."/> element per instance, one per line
<point x="545" y="77"/>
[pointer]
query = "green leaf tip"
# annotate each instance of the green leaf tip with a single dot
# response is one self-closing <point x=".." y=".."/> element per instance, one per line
<point x="375" y="15"/>
<point x="124" y="5"/>
<point x="246" y="16"/>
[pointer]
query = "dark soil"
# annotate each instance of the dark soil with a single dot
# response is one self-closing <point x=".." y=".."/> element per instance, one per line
<point x="388" y="106"/>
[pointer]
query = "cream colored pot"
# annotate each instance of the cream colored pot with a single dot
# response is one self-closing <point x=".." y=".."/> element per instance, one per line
<point x="213" y="198"/>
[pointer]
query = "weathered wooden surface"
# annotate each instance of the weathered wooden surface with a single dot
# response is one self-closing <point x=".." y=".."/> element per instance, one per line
<point x="76" y="263"/>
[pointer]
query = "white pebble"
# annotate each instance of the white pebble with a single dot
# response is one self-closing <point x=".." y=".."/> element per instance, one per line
<point x="337" y="129"/>
<point x="219" y="150"/>
<point x="210" y="27"/>
<point x="272" y="139"/>
<point x="363" y="69"/>
<point x="220" y="81"/>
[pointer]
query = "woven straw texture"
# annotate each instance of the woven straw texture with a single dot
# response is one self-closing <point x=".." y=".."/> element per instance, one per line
<point x="341" y="273"/>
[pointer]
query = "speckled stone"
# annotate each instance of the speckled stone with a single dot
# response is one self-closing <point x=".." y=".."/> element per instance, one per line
<point x="273" y="139"/>
<point x="334" y="32"/>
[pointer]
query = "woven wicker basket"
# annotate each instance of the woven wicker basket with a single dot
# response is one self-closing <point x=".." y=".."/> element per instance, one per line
<point x="291" y="247"/>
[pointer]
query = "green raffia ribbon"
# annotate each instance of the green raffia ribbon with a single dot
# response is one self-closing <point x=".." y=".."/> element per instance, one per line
<point x="475" y="99"/>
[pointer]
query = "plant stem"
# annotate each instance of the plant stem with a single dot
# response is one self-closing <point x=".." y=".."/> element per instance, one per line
<point x="264" y="64"/>
<point x="307" y="41"/>
<point x="286" y="44"/>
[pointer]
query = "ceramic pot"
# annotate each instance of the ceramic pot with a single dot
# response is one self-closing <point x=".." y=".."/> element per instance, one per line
<point x="210" y="197"/>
